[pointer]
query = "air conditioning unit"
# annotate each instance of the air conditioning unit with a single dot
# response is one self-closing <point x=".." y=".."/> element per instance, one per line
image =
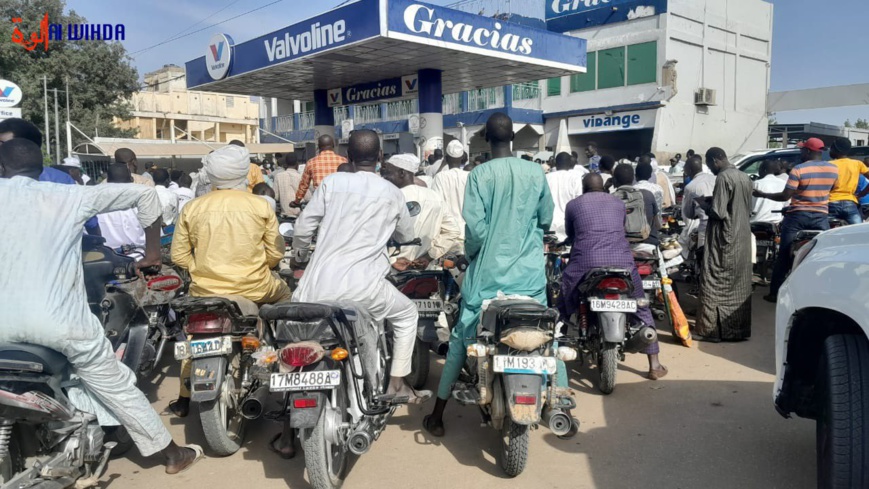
<point x="704" y="96"/>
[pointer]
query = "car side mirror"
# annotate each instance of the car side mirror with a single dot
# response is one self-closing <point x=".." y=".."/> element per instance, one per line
<point x="754" y="177"/>
<point x="413" y="208"/>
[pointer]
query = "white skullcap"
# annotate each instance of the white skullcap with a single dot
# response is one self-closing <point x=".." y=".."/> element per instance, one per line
<point x="72" y="161"/>
<point x="405" y="161"/>
<point x="455" y="149"/>
<point x="227" y="167"/>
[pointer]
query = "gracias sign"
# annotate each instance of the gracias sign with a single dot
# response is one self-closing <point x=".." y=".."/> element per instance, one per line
<point x="404" y="86"/>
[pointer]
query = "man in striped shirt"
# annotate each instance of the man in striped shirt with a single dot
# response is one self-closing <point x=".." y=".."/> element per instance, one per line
<point x="808" y="189"/>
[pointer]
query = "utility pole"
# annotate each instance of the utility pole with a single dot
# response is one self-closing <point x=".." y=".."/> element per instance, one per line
<point x="68" y="122"/>
<point x="56" y="129"/>
<point x="47" y="126"/>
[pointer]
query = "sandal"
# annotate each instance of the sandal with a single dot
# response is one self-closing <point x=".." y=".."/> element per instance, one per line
<point x="433" y="431"/>
<point x="180" y="407"/>
<point x="658" y="373"/>
<point x="200" y="454"/>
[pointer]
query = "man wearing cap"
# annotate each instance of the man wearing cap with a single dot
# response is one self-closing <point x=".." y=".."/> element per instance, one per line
<point x="434" y="225"/>
<point x="843" y="198"/>
<point x="808" y="189"/>
<point x="450" y="184"/>
<point x="73" y="165"/>
<point x="565" y="184"/>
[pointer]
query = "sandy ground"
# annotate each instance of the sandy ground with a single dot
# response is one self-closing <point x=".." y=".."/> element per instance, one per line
<point x="709" y="424"/>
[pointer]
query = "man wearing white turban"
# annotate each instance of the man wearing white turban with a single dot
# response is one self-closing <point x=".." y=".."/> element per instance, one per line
<point x="228" y="240"/>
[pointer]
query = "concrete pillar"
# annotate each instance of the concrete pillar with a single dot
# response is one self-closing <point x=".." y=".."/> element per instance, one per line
<point x="217" y="132"/>
<point x="172" y="129"/>
<point x="154" y="127"/>
<point x="508" y="96"/>
<point x="324" y="116"/>
<point x="431" y="117"/>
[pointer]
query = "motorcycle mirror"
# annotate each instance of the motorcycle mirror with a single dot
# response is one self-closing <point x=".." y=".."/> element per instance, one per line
<point x="754" y="177"/>
<point x="413" y="208"/>
<point x="286" y="229"/>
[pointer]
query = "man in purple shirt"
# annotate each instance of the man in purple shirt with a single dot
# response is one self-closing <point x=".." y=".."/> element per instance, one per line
<point x="595" y="226"/>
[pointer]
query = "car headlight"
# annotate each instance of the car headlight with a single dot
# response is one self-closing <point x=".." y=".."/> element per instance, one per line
<point x="803" y="252"/>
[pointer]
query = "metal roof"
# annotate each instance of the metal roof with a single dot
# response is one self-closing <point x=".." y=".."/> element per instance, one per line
<point x="383" y="42"/>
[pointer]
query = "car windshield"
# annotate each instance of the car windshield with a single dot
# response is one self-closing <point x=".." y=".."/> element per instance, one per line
<point x="734" y="160"/>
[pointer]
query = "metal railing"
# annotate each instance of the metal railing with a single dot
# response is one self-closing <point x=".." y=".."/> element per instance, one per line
<point x="342" y="113"/>
<point x="526" y="91"/>
<point x="452" y="103"/>
<point x="306" y="120"/>
<point x="283" y="123"/>
<point x="367" y="113"/>
<point x="485" y="98"/>
<point x="401" y="109"/>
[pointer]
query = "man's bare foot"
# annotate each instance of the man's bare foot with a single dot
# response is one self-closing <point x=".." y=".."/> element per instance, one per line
<point x="400" y="390"/>
<point x="179" y="459"/>
<point x="658" y="373"/>
<point x="283" y="445"/>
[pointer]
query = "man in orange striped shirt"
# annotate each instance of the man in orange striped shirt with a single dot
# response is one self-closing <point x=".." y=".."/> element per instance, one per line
<point x="319" y="167"/>
<point x="808" y="189"/>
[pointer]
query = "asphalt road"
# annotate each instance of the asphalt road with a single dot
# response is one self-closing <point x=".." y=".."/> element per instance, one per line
<point x="709" y="424"/>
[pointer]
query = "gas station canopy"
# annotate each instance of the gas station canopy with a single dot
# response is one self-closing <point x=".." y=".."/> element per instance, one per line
<point x="381" y="40"/>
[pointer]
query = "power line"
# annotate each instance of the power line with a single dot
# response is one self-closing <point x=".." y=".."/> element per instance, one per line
<point x="205" y="28"/>
<point x="230" y="4"/>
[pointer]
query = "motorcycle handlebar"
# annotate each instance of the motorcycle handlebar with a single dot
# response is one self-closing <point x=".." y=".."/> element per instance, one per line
<point x="413" y="242"/>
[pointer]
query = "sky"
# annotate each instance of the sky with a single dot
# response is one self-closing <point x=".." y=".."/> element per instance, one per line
<point x="816" y="43"/>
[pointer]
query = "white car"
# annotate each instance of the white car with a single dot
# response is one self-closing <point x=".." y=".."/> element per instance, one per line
<point x="822" y="351"/>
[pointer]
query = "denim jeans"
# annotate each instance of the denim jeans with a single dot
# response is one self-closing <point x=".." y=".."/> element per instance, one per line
<point x="793" y="223"/>
<point x="846" y="211"/>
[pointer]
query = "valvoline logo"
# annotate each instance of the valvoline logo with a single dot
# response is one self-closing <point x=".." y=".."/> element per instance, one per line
<point x="10" y="94"/>
<point x="218" y="56"/>
<point x="411" y="84"/>
<point x="7" y="91"/>
<point x="217" y="50"/>
<point x="335" y="96"/>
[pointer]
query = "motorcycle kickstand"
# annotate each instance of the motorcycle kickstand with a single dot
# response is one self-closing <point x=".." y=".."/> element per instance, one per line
<point x="95" y="476"/>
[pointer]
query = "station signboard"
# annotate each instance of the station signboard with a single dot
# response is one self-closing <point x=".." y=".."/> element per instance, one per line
<point x="619" y="121"/>
<point x="391" y="88"/>
<point x="571" y="15"/>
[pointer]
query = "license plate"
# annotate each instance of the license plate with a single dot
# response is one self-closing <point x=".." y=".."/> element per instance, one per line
<point x="523" y="365"/>
<point x="622" y="305"/>
<point x="651" y="284"/>
<point x="429" y="307"/>
<point x="305" y="381"/>
<point x="765" y="243"/>
<point x="203" y="348"/>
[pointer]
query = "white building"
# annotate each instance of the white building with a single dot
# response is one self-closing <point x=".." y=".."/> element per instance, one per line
<point x="663" y="75"/>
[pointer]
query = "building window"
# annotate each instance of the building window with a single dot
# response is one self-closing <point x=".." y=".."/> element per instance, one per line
<point x="230" y="102"/>
<point x="611" y="68"/>
<point x="584" y="82"/>
<point x="643" y="63"/>
<point x="553" y="87"/>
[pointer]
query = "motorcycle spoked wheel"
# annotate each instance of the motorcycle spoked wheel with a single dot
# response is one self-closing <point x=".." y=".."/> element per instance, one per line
<point x="222" y="422"/>
<point x="327" y="464"/>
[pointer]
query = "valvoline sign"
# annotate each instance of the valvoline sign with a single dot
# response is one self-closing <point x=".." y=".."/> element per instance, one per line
<point x="571" y="15"/>
<point x="218" y="57"/>
<point x="10" y="94"/>
<point x="390" y="88"/>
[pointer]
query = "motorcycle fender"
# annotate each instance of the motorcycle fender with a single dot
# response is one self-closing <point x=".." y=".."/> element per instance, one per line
<point x="137" y="336"/>
<point x="426" y="330"/>
<point x="206" y="377"/>
<point x="306" y="417"/>
<point x="613" y="326"/>
<point x="523" y="385"/>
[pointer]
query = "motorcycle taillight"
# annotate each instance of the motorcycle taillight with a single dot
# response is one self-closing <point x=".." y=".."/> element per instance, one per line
<point x="420" y="288"/>
<point x="208" y="322"/>
<point x="644" y="269"/>
<point x="613" y="284"/>
<point x="301" y="354"/>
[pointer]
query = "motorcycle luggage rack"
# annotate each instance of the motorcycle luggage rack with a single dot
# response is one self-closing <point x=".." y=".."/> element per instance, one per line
<point x="188" y="304"/>
<point x="522" y="313"/>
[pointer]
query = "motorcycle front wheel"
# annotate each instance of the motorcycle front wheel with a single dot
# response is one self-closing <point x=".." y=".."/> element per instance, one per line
<point x="222" y="422"/>
<point x="327" y="463"/>
<point x="514" y="447"/>
<point x="607" y="364"/>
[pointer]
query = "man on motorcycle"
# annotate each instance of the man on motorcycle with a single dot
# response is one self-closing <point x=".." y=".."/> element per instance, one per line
<point x="595" y="228"/>
<point x="507" y="208"/>
<point x="434" y="225"/>
<point x="764" y="210"/>
<point x="228" y="240"/>
<point x="44" y="300"/>
<point x="357" y="214"/>
<point x="121" y="227"/>
<point x="699" y="185"/>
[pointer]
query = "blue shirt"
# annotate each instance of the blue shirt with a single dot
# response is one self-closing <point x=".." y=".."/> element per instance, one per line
<point x="864" y="182"/>
<point x="52" y="175"/>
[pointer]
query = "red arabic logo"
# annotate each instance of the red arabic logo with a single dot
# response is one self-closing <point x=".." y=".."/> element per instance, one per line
<point x="74" y="32"/>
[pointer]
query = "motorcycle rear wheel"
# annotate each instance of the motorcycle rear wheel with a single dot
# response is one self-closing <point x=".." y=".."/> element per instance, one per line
<point x="419" y="365"/>
<point x="327" y="464"/>
<point x="514" y="447"/>
<point x="12" y="463"/>
<point x="608" y="364"/>
<point x="221" y="418"/>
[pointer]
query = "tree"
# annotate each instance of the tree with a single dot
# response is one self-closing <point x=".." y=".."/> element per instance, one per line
<point x="101" y="78"/>
<point x="862" y="124"/>
<point x="848" y="123"/>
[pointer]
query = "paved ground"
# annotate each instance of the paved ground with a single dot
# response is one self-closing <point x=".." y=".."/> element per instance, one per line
<point x="709" y="424"/>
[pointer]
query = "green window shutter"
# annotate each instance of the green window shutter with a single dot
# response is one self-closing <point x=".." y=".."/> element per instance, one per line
<point x="585" y="82"/>
<point x="553" y="87"/>
<point x="643" y="63"/>
<point x="611" y="68"/>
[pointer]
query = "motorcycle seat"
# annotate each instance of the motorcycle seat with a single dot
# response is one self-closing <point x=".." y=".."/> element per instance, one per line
<point x="520" y="309"/>
<point x="243" y="307"/>
<point x="644" y="255"/>
<point x="298" y="311"/>
<point x="763" y="226"/>
<point x="593" y="276"/>
<point x="53" y="362"/>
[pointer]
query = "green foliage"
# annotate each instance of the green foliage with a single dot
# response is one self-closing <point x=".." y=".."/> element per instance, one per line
<point x="100" y="75"/>
<point x="848" y="123"/>
<point x="862" y="124"/>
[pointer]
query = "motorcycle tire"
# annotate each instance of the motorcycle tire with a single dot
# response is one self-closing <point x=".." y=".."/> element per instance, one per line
<point x="222" y="424"/>
<point x="608" y="364"/>
<point x="514" y="447"/>
<point x="419" y="365"/>
<point x="320" y="455"/>
<point x="843" y="399"/>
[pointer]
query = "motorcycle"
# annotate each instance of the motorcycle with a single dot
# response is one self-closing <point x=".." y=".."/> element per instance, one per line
<point x="672" y="223"/>
<point x="434" y="292"/>
<point x="767" y="237"/>
<point x="605" y="333"/>
<point x="510" y="374"/>
<point x="223" y="334"/>
<point x="557" y="256"/>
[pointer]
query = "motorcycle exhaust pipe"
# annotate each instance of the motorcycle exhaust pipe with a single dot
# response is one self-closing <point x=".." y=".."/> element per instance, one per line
<point x="558" y="421"/>
<point x="359" y="442"/>
<point x="440" y="347"/>
<point x="253" y="405"/>
<point x="641" y="339"/>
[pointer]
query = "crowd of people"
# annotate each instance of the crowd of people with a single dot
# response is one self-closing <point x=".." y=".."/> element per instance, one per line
<point x="224" y="220"/>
